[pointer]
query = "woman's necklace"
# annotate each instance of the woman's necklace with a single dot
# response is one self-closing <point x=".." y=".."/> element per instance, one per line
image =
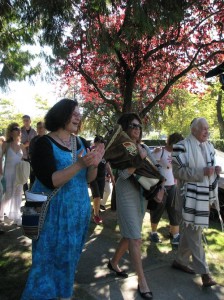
<point x="67" y="144"/>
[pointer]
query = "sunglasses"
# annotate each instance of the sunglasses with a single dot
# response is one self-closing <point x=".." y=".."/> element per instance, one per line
<point x="135" y="126"/>
<point x="16" y="129"/>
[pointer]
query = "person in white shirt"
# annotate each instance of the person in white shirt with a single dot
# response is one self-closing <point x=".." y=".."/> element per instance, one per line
<point x="27" y="133"/>
<point x="164" y="157"/>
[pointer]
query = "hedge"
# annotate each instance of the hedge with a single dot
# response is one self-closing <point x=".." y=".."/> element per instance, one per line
<point x="218" y="144"/>
<point x="154" y="142"/>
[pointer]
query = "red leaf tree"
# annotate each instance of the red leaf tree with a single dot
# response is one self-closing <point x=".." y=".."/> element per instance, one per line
<point x="129" y="57"/>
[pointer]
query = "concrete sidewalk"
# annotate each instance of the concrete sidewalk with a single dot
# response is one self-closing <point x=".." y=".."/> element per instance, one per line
<point x="95" y="281"/>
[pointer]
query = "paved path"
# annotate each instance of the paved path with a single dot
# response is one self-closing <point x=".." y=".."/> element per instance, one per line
<point x="93" y="280"/>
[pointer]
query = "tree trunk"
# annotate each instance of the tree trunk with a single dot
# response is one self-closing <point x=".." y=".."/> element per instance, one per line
<point x="128" y="92"/>
<point x="219" y="115"/>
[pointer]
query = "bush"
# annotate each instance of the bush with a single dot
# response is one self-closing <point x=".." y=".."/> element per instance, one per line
<point x="154" y="142"/>
<point x="218" y="144"/>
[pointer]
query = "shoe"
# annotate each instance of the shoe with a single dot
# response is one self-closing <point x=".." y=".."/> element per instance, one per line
<point x="146" y="295"/>
<point x="183" y="268"/>
<point x="207" y="280"/>
<point x="102" y="207"/>
<point x="154" y="237"/>
<point x="175" y="241"/>
<point x="97" y="220"/>
<point x="119" y="274"/>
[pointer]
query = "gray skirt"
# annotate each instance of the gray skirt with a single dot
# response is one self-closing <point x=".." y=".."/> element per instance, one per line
<point x="131" y="207"/>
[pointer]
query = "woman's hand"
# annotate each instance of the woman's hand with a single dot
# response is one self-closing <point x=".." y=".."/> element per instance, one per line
<point x="142" y="151"/>
<point x="95" y="157"/>
<point x="92" y="158"/>
<point x="98" y="153"/>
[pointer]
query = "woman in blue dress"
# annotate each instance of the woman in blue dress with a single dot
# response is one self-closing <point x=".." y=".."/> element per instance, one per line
<point x="56" y="253"/>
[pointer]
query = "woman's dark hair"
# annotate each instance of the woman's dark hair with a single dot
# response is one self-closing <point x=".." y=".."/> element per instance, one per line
<point x="60" y="114"/>
<point x="174" y="138"/>
<point x="126" y="119"/>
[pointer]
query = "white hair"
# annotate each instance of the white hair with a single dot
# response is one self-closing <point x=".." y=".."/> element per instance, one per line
<point x="195" y="124"/>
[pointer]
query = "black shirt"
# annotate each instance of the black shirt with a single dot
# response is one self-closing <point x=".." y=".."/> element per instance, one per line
<point x="42" y="160"/>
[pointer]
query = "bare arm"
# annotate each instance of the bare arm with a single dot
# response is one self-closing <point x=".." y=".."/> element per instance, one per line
<point x="109" y="171"/>
<point x="23" y="148"/>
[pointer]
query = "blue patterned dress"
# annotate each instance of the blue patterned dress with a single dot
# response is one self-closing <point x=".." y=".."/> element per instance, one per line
<point x="56" y="253"/>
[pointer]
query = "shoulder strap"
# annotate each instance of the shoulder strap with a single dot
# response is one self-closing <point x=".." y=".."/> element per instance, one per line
<point x="162" y="152"/>
<point x="44" y="209"/>
<point x="54" y="192"/>
<point x="74" y="148"/>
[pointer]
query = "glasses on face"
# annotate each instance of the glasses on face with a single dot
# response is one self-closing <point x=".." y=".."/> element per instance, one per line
<point x="135" y="126"/>
<point x="77" y="114"/>
<point x="16" y="129"/>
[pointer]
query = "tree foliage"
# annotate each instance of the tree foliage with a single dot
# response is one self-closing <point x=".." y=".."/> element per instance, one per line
<point x="119" y="55"/>
<point x="7" y="115"/>
<point x="42" y="105"/>
<point x="16" y="62"/>
<point x="187" y="106"/>
<point x="130" y="54"/>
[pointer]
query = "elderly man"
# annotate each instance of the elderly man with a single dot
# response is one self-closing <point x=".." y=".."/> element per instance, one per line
<point x="194" y="167"/>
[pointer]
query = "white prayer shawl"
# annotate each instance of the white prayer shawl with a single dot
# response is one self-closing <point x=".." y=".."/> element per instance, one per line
<point x="197" y="196"/>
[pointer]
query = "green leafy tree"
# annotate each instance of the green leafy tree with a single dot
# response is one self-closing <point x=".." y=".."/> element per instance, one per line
<point x="16" y="62"/>
<point x="42" y="105"/>
<point x="8" y="114"/>
<point x="185" y="108"/>
<point x="215" y="92"/>
<point x="124" y="54"/>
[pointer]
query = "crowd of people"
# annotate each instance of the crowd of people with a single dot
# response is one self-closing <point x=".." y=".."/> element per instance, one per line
<point x="61" y="159"/>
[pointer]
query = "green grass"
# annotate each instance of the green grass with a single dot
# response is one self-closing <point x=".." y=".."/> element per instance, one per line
<point x="214" y="251"/>
<point x="213" y="245"/>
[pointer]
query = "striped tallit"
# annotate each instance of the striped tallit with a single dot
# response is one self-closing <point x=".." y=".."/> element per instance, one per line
<point x="197" y="195"/>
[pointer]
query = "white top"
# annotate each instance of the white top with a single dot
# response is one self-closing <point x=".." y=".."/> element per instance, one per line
<point x="164" y="158"/>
